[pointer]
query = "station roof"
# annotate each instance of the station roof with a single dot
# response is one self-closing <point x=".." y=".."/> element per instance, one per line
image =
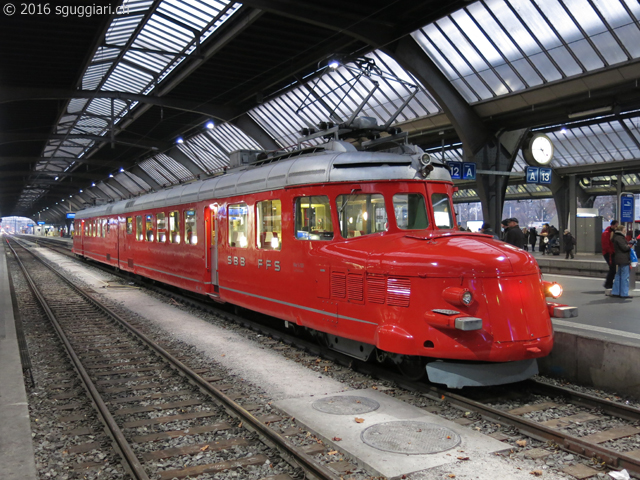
<point x="110" y="100"/>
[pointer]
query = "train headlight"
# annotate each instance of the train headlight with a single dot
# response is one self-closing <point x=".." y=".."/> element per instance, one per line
<point x="425" y="159"/>
<point x="467" y="298"/>
<point x="552" y="289"/>
<point x="458" y="296"/>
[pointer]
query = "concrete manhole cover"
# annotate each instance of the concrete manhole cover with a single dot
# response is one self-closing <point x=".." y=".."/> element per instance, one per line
<point x="346" y="405"/>
<point x="412" y="438"/>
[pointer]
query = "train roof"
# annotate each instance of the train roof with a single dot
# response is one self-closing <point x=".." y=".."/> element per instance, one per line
<point x="336" y="161"/>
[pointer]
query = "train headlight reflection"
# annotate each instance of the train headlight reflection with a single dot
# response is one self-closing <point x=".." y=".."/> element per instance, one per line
<point x="552" y="289"/>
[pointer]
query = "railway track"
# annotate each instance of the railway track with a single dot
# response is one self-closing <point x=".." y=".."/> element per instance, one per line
<point x="548" y="413"/>
<point x="143" y="393"/>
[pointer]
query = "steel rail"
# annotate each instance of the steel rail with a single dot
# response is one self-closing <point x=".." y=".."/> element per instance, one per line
<point x="537" y="431"/>
<point x="132" y="462"/>
<point x="530" y="428"/>
<point x="284" y="446"/>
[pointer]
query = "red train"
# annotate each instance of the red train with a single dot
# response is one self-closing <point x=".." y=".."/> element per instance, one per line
<point x="358" y="247"/>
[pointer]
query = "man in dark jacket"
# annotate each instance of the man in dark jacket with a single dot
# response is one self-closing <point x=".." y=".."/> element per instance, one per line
<point x="533" y="238"/>
<point x="607" y="253"/>
<point x="514" y="234"/>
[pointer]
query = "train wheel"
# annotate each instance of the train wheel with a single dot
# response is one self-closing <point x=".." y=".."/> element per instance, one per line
<point x="413" y="368"/>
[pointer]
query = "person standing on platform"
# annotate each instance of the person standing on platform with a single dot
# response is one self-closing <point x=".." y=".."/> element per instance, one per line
<point x="622" y="259"/>
<point x="525" y="232"/>
<point x="607" y="253"/>
<point x="514" y="235"/>
<point x="569" y="243"/>
<point x="544" y="238"/>
<point x="505" y="227"/>
<point x="533" y="238"/>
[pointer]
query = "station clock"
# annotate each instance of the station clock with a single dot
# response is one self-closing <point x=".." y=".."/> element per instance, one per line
<point x="539" y="149"/>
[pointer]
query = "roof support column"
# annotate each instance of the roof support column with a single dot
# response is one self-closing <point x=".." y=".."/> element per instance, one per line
<point x="573" y="205"/>
<point x="499" y="157"/>
<point x="492" y="152"/>
<point x="189" y="164"/>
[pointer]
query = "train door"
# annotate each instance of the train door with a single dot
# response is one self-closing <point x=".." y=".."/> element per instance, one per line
<point x="80" y="233"/>
<point x="211" y="227"/>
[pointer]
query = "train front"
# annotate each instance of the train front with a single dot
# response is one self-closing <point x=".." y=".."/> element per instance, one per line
<point x="478" y="305"/>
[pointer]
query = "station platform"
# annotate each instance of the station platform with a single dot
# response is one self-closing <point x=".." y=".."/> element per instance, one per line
<point x="16" y="449"/>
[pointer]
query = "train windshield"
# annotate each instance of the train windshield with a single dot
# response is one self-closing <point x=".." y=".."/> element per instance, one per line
<point x="442" y="210"/>
<point x="361" y="214"/>
<point x="411" y="211"/>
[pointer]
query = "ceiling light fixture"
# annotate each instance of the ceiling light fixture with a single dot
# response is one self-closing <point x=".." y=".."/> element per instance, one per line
<point x="209" y="125"/>
<point x="179" y="140"/>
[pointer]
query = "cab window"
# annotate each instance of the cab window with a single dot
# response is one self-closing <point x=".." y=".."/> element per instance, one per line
<point x="190" y="227"/>
<point x="129" y="224"/>
<point x="174" y="227"/>
<point x="238" y="225"/>
<point x="162" y="227"/>
<point x="410" y="211"/>
<point x="269" y="225"/>
<point x="139" y="234"/>
<point x="442" y="210"/>
<point x="148" y="226"/>
<point x="313" y="218"/>
<point x="361" y="214"/>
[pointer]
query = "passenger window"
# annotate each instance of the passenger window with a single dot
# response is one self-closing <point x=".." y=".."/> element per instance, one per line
<point x="86" y="229"/>
<point x="190" y="228"/>
<point x="108" y="220"/>
<point x="313" y="218"/>
<point x="442" y="210"/>
<point x="174" y="227"/>
<point x="269" y="225"/>
<point x="361" y="214"/>
<point x="162" y="228"/>
<point x="238" y="225"/>
<point x="129" y="224"/>
<point x="139" y="234"/>
<point x="148" y="225"/>
<point x="103" y="230"/>
<point x="410" y="211"/>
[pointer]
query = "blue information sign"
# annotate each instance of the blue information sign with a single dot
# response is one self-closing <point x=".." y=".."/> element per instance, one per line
<point x="456" y="170"/>
<point x="71" y="215"/>
<point x="533" y="174"/>
<point x="468" y="171"/>
<point x="626" y="208"/>
<point x="40" y="223"/>
<point x="545" y="175"/>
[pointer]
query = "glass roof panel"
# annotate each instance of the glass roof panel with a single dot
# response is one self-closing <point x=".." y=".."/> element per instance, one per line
<point x="136" y="186"/>
<point x="177" y="169"/>
<point x="205" y="153"/>
<point x="156" y="171"/>
<point x="524" y="43"/>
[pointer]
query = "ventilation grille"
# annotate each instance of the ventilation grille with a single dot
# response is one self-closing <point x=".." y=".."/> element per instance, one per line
<point x="338" y="285"/>
<point x="398" y="291"/>
<point x="355" y="287"/>
<point x="376" y="288"/>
